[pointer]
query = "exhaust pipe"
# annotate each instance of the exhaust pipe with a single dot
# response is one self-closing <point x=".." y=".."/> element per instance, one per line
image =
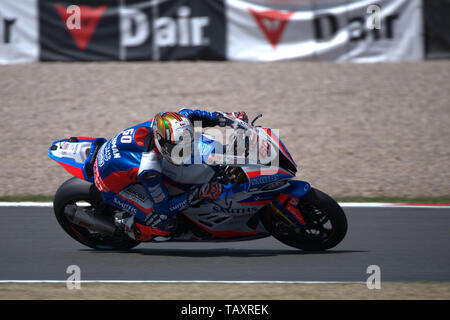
<point x="77" y="215"/>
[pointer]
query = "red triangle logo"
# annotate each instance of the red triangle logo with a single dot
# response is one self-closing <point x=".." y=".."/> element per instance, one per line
<point x="89" y="19"/>
<point x="272" y="23"/>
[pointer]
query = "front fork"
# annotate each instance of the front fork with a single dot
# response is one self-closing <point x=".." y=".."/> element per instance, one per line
<point x="287" y="207"/>
<point x="286" y="204"/>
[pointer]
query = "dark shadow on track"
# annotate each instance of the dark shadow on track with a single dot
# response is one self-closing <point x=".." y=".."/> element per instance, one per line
<point x="243" y="253"/>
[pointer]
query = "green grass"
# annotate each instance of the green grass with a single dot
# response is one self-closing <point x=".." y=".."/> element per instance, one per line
<point x="33" y="198"/>
<point x="441" y="199"/>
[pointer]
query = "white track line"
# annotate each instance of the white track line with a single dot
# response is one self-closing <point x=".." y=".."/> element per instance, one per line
<point x="181" y="281"/>
<point x="26" y="204"/>
<point x="342" y="204"/>
<point x="393" y="205"/>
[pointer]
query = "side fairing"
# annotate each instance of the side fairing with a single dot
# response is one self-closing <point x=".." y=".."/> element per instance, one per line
<point x="266" y="178"/>
<point x="227" y="217"/>
<point x="296" y="189"/>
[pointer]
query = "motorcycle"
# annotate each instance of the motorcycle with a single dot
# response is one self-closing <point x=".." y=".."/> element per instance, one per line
<point x="260" y="198"/>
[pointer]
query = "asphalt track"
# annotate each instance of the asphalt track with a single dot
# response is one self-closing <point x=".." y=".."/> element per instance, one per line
<point x="408" y="244"/>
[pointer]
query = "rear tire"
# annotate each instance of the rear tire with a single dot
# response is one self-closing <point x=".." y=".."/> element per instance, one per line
<point x="74" y="191"/>
<point x="326" y="224"/>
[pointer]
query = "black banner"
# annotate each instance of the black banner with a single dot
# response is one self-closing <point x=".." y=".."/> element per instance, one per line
<point x="72" y="30"/>
<point x="232" y="309"/>
<point x="437" y="29"/>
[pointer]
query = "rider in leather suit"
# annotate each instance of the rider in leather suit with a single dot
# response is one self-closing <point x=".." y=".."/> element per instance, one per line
<point x="128" y="172"/>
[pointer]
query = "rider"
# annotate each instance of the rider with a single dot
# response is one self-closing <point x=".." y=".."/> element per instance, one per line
<point x="128" y="169"/>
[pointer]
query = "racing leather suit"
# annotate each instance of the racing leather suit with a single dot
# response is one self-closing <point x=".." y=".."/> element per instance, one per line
<point x="127" y="171"/>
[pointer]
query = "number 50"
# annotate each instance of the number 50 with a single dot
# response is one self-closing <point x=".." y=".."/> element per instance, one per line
<point x="126" y="136"/>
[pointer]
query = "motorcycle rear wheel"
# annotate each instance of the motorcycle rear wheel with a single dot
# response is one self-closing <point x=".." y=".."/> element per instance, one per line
<point x="326" y="223"/>
<point x="78" y="192"/>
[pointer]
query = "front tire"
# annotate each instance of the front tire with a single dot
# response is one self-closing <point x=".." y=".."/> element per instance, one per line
<point x="75" y="192"/>
<point x="325" y="228"/>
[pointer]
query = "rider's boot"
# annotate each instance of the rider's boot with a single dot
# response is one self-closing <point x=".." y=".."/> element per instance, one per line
<point x="136" y="231"/>
<point x="142" y="232"/>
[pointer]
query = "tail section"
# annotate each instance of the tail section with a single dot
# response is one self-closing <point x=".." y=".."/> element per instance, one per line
<point x="77" y="155"/>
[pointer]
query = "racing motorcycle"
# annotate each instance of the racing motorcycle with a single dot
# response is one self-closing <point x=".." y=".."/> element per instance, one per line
<point x="260" y="197"/>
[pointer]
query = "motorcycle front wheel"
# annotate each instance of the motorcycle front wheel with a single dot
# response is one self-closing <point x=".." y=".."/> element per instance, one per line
<point x="325" y="223"/>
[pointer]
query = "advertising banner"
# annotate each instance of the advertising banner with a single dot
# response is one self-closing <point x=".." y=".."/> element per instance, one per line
<point x="360" y="31"/>
<point x="172" y="30"/>
<point x="245" y="30"/>
<point x="19" y="32"/>
<point x="132" y="30"/>
<point x="73" y="30"/>
<point x="437" y="29"/>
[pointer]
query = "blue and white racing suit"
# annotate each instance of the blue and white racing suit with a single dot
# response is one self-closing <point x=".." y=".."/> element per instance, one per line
<point x="127" y="171"/>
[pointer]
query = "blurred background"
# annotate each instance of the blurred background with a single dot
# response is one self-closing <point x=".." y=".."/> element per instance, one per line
<point x="358" y="89"/>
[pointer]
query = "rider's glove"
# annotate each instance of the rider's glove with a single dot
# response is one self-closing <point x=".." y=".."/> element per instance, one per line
<point x="222" y="120"/>
<point x="156" y="220"/>
<point x="210" y="190"/>
<point x="241" y="115"/>
<point x="225" y="121"/>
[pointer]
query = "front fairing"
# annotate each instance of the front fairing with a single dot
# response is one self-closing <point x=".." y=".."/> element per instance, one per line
<point x="258" y="151"/>
<point x="248" y="145"/>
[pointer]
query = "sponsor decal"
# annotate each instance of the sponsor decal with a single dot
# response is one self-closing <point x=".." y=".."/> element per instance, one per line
<point x="157" y="193"/>
<point x="271" y="23"/>
<point x="182" y="30"/>
<point x="179" y="205"/>
<point x="235" y="211"/>
<point x="115" y="150"/>
<point x="19" y="31"/>
<point x="72" y="30"/>
<point x="65" y="146"/>
<point x="264" y="179"/>
<point x="101" y="156"/>
<point x="136" y="196"/>
<point x="296" y="213"/>
<point x="6" y="25"/>
<point x="108" y="150"/>
<point x="98" y="180"/>
<point x="125" y="206"/>
<point x="89" y="18"/>
<point x="167" y="30"/>
<point x="69" y="148"/>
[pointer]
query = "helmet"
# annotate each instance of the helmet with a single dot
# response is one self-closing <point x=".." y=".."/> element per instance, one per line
<point x="174" y="136"/>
